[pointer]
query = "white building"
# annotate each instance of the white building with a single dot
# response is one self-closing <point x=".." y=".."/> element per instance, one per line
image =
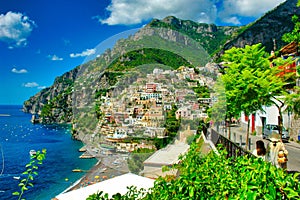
<point x="269" y="116"/>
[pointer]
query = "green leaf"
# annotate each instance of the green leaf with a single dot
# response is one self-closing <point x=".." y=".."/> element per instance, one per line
<point x="16" y="193"/>
<point x="24" y="188"/>
<point x="268" y="197"/>
<point x="272" y="192"/>
<point x="21" y="184"/>
<point x="192" y="191"/>
<point x="291" y="193"/>
<point x="251" y="195"/>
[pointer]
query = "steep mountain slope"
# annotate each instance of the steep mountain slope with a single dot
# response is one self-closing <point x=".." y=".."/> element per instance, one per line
<point x="210" y="36"/>
<point x="55" y="102"/>
<point x="267" y="30"/>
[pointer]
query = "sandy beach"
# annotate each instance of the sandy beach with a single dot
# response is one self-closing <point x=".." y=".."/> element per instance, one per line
<point x="107" y="167"/>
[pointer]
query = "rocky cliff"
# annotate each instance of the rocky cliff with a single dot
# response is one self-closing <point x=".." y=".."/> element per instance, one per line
<point x="54" y="104"/>
<point x="267" y="30"/>
<point x="210" y="36"/>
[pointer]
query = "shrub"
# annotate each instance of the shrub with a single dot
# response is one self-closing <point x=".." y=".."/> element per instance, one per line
<point x="218" y="177"/>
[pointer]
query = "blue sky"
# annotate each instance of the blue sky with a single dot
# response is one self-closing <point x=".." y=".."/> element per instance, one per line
<point x="42" y="39"/>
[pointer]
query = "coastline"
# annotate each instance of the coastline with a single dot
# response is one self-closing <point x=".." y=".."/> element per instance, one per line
<point x="107" y="167"/>
<point x="76" y="183"/>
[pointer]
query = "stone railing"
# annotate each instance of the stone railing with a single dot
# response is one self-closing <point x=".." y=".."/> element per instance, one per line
<point x="232" y="148"/>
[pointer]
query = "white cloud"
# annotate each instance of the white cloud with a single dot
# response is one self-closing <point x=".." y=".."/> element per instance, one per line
<point x="249" y="8"/>
<point x="54" y="57"/>
<point x="87" y="52"/>
<point x="41" y="87"/>
<point x="136" y="11"/>
<point x="208" y="11"/>
<point x="31" y="85"/>
<point x="15" y="28"/>
<point x="21" y="71"/>
<point x="232" y="20"/>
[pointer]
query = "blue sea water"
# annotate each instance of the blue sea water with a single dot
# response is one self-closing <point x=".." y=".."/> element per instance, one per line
<point x="18" y="136"/>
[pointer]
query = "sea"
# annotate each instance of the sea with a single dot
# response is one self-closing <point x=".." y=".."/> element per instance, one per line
<point x="18" y="136"/>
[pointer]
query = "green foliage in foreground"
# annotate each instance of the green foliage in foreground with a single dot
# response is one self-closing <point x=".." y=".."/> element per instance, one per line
<point x="218" y="177"/>
<point x="31" y="171"/>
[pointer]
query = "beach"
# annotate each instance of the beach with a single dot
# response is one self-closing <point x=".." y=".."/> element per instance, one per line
<point x="108" y="166"/>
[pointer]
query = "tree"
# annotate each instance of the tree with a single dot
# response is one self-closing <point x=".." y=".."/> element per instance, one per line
<point x="250" y="83"/>
<point x="219" y="108"/>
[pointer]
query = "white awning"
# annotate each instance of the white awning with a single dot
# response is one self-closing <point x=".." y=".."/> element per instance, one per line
<point x="111" y="186"/>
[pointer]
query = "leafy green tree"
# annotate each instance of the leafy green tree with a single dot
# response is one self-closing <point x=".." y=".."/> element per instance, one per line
<point x="172" y="125"/>
<point x="202" y="91"/>
<point x="218" y="110"/>
<point x="293" y="102"/>
<point x="250" y="83"/>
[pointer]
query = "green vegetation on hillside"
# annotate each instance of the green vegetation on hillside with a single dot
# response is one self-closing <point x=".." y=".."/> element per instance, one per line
<point x="172" y="126"/>
<point x="211" y="37"/>
<point x="147" y="56"/>
<point x="136" y="159"/>
<point x="61" y="102"/>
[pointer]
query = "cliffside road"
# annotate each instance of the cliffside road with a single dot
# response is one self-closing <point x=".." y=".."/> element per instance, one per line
<point x="238" y="135"/>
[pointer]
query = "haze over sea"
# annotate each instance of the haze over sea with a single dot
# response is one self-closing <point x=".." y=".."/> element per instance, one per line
<point x="18" y="136"/>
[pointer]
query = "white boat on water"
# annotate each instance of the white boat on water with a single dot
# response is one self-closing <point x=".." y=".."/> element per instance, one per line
<point x="17" y="177"/>
<point x="4" y="115"/>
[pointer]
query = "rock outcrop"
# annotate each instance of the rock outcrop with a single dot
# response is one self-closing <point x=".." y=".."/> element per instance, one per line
<point x="54" y="104"/>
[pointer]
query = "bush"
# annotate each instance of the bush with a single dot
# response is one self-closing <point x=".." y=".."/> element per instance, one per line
<point x="218" y="177"/>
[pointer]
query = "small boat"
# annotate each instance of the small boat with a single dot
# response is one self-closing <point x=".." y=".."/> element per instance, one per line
<point x="4" y="115"/>
<point x="17" y="177"/>
<point x="32" y="152"/>
<point x="103" y="170"/>
<point x="77" y="170"/>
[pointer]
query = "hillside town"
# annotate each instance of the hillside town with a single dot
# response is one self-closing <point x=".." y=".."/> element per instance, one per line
<point x="139" y="111"/>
